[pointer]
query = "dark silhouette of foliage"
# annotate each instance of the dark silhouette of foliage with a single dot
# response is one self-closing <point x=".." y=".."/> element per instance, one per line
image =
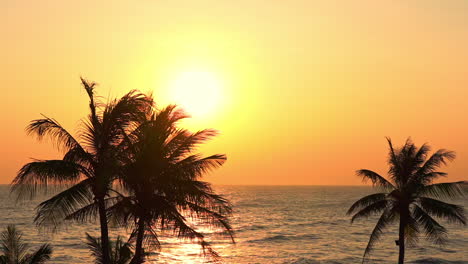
<point x="161" y="176"/>
<point x="15" y="251"/>
<point x="409" y="196"/>
<point x="120" y="251"/>
<point x="88" y="166"/>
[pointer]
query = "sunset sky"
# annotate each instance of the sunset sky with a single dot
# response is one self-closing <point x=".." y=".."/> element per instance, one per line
<point x="303" y="92"/>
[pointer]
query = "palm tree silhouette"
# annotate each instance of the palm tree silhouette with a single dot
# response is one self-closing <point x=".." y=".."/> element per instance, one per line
<point x="162" y="178"/>
<point x="88" y="165"/>
<point x="120" y="251"/>
<point x="410" y="196"/>
<point x="15" y="251"/>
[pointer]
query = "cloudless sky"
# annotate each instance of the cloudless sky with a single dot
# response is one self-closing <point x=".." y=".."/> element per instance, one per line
<point x="310" y="88"/>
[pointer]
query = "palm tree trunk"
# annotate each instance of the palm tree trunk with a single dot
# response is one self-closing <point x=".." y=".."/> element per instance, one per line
<point x="138" y="258"/>
<point x="104" y="231"/>
<point x="401" y="240"/>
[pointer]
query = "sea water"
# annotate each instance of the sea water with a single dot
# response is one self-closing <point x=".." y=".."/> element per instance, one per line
<point x="272" y="224"/>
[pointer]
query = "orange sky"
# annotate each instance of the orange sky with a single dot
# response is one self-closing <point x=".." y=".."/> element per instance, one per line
<point x="311" y="88"/>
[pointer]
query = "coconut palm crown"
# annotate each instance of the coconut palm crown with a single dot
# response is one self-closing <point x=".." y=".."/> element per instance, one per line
<point x="410" y="196"/>
<point x="15" y="251"/>
<point x="162" y="177"/>
<point x="88" y="166"/>
<point x="120" y="251"/>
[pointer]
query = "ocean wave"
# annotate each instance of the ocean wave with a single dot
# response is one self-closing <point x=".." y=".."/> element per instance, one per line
<point x="249" y="227"/>
<point x="436" y="261"/>
<point x="279" y="238"/>
<point x="313" y="261"/>
<point x="303" y="261"/>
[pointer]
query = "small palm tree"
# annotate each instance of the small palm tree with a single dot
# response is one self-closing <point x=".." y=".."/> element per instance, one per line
<point x="120" y="251"/>
<point x="410" y="197"/>
<point x="15" y="251"/>
<point x="162" y="178"/>
<point x="88" y="166"/>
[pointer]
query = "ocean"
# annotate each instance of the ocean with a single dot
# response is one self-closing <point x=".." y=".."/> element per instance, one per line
<point x="273" y="225"/>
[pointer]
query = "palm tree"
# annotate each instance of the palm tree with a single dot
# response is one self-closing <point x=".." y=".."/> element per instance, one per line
<point x="88" y="166"/>
<point x="409" y="195"/>
<point x="120" y="251"/>
<point x="15" y="251"/>
<point x="162" y="178"/>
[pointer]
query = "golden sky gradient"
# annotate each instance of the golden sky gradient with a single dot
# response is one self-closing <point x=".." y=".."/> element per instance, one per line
<point x="310" y="88"/>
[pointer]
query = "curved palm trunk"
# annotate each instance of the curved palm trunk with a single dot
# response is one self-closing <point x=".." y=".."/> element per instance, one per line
<point x="401" y="240"/>
<point x="104" y="231"/>
<point x="138" y="258"/>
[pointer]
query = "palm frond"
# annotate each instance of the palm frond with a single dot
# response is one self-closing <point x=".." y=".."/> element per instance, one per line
<point x="40" y="256"/>
<point x="94" y="245"/>
<point x="52" y="212"/>
<point x="433" y="230"/>
<point x="375" y="178"/>
<point x="120" y="114"/>
<point x="87" y="213"/>
<point x="439" y="158"/>
<point x="208" y="215"/>
<point x="93" y="104"/>
<point x="12" y="245"/>
<point x="385" y="219"/>
<point x="48" y="127"/>
<point x="366" y="201"/>
<point x="184" y="231"/>
<point x="151" y="239"/>
<point x="371" y="209"/>
<point x="79" y="156"/>
<point x="184" y="142"/>
<point x="393" y="160"/>
<point x="451" y="212"/>
<point x="120" y="251"/>
<point x="422" y="153"/>
<point x="444" y="190"/>
<point x="44" y="174"/>
<point x="192" y="167"/>
<point x="122" y="212"/>
<point x="412" y="231"/>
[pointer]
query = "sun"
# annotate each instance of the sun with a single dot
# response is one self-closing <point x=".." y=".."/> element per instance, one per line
<point x="199" y="92"/>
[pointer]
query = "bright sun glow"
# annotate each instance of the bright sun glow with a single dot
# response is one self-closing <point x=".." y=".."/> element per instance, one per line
<point x="198" y="92"/>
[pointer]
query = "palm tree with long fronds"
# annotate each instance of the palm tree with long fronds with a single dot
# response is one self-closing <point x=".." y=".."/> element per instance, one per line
<point x="162" y="178"/>
<point x="88" y="166"/>
<point x="120" y="251"/>
<point x="15" y="251"/>
<point x="410" y="196"/>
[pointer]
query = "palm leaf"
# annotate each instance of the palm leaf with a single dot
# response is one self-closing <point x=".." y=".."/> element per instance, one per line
<point x="451" y="212"/>
<point x="40" y="256"/>
<point x="48" y="127"/>
<point x="375" y="178"/>
<point x="385" y="219"/>
<point x="94" y="245"/>
<point x="12" y="245"/>
<point x="371" y="209"/>
<point x="193" y="167"/>
<point x="366" y="201"/>
<point x="433" y="230"/>
<point x="444" y="190"/>
<point x="185" y="142"/>
<point x="437" y="159"/>
<point x="52" y="212"/>
<point x="43" y="174"/>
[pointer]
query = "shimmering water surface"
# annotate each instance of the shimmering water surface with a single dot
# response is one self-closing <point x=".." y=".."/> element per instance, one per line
<point x="285" y="224"/>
